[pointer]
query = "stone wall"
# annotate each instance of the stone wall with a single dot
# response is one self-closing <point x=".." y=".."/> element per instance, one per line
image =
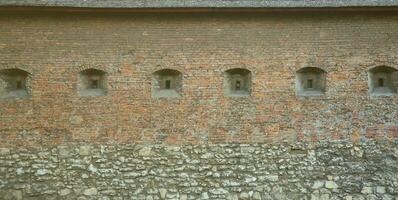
<point x="322" y="170"/>
<point x="55" y="46"/>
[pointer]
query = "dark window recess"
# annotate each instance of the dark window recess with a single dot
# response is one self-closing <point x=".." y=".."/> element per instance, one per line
<point x="168" y="84"/>
<point x="94" y="84"/>
<point x="310" y="84"/>
<point x="381" y="82"/>
<point x="237" y="85"/>
<point x="19" y="85"/>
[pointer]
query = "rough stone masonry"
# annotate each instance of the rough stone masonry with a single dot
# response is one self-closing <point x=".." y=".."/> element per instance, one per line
<point x="269" y="144"/>
<point x="321" y="170"/>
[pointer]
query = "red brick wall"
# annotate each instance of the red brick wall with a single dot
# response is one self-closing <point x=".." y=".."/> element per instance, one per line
<point x="130" y="47"/>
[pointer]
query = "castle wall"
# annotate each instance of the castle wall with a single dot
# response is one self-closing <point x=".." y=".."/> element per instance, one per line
<point x="202" y="143"/>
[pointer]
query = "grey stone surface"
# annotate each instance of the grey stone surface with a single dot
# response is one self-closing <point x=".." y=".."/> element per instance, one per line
<point x="331" y="185"/>
<point x="199" y="3"/>
<point x="234" y="171"/>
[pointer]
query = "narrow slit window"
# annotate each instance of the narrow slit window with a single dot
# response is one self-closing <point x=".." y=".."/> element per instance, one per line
<point x="381" y="82"/>
<point x="19" y="85"/>
<point x="310" y="84"/>
<point x="237" y="85"/>
<point x="168" y="84"/>
<point x="94" y="84"/>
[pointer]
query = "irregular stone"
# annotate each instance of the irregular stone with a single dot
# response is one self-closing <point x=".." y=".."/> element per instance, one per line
<point x="250" y="179"/>
<point x="183" y="197"/>
<point x="278" y="192"/>
<point x="64" y="151"/>
<point x="92" y="168"/>
<point x="206" y="156"/>
<point x="325" y="197"/>
<point x="17" y="194"/>
<point x="204" y="195"/>
<point x="315" y="197"/>
<point x="358" y="152"/>
<point x="170" y="195"/>
<point x="247" y="149"/>
<point x="64" y="192"/>
<point x="388" y="197"/>
<point x="218" y="191"/>
<point x="42" y="172"/>
<point x="231" y="183"/>
<point x="90" y="192"/>
<point x="331" y="185"/>
<point x="4" y="151"/>
<point x="244" y="195"/>
<point x="349" y="197"/>
<point x="20" y="171"/>
<point x="318" y="184"/>
<point x="148" y="198"/>
<point x="272" y="178"/>
<point x="162" y="192"/>
<point x="380" y="189"/>
<point x="366" y="190"/>
<point x="232" y="197"/>
<point x="84" y="150"/>
<point x="257" y="196"/>
<point x="145" y="151"/>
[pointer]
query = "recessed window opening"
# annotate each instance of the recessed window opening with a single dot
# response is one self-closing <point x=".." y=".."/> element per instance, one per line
<point x="237" y="82"/>
<point x="13" y="83"/>
<point x="310" y="81"/>
<point x="382" y="81"/>
<point x="166" y="83"/>
<point x="92" y="82"/>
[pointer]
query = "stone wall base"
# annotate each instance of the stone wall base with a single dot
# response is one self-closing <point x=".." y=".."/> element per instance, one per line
<point x="323" y="170"/>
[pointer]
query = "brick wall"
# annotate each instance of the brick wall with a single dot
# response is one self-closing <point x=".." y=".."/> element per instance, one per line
<point x="129" y="47"/>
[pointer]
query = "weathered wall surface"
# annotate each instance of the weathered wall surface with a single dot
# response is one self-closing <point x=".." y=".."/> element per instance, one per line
<point x="130" y="47"/>
<point x="323" y="170"/>
<point x="269" y="145"/>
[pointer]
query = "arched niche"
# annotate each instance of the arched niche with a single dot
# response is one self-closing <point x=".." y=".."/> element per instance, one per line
<point x="166" y="83"/>
<point x="382" y="81"/>
<point x="310" y="81"/>
<point x="92" y="82"/>
<point x="13" y="83"/>
<point x="237" y="82"/>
